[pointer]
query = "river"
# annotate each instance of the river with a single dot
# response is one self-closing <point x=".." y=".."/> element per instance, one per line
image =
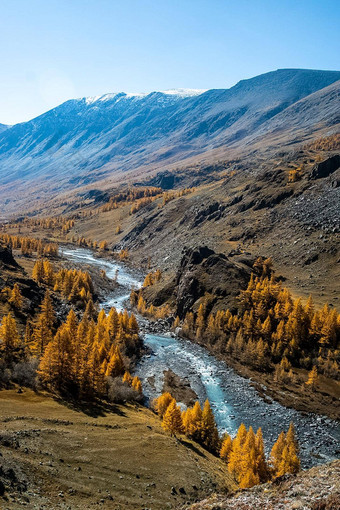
<point x="232" y="397"/>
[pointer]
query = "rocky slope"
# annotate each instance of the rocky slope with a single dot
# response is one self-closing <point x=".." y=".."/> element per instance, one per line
<point x="91" y="139"/>
<point x="10" y="273"/>
<point x="315" y="489"/>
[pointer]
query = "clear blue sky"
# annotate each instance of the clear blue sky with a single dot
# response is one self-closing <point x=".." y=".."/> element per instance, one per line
<point x="53" y="50"/>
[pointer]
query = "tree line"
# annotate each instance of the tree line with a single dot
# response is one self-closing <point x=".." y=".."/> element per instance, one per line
<point x="270" y="328"/>
<point x="80" y="357"/>
<point x="244" y="454"/>
<point x="30" y="245"/>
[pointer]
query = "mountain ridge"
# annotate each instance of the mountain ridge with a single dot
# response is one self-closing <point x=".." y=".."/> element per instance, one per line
<point x="83" y="141"/>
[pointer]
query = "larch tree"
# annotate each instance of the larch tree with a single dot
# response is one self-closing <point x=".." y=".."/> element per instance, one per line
<point x="172" y="420"/>
<point x="127" y="378"/>
<point x="161" y="403"/>
<point x="313" y="378"/>
<point x="47" y="309"/>
<point x="262" y="468"/>
<point x="16" y="298"/>
<point x="137" y="385"/>
<point x="38" y="273"/>
<point x="226" y="448"/>
<point x="9" y="337"/>
<point x="209" y="429"/>
<point x="235" y="457"/>
<point x="115" y="366"/>
<point x="196" y="422"/>
<point x="276" y="452"/>
<point x="247" y="475"/>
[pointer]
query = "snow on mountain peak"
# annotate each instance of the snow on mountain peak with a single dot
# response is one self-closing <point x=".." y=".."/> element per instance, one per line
<point x="139" y="95"/>
<point x="183" y="92"/>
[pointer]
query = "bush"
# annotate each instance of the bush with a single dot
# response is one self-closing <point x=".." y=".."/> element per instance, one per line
<point x="119" y="392"/>
<point x="25" y="373"/>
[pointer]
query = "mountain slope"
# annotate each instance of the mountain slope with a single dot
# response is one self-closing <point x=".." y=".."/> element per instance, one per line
<point x="318" y="109"/>
<point x="89" y="139"/>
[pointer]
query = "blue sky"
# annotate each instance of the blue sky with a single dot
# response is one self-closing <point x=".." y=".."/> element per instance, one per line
<point x="53" y="50"/>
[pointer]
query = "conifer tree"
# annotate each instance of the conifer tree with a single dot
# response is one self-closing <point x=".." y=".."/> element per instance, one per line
<point x="42" y="334"/>
<point x="312" y="378"/>
<point x="247" y="472"/>
<point x="226" y="448"/>
<point x="196" y="422"/>
<point x="262" y="469"/>
<point x="200" y="321"/>
<point x="235" y="457"/>
<point x="38" y="271"/>
<point x="9" y="337"/>
<point x="161" y="403"/>
<point x="186" y="420"/>
<point x="209" y="430"/>
<point x="290" y="462"/>
<point x="172" y="420"/>
<point x="137" y="385"/>
<point x="127" y="378"/>
<point x="47" y="309"/>
<point x="90" y="311"/>
<point x="276" y="452"/>
<point x="115" y="366"/>
<point x="16" y="298"/>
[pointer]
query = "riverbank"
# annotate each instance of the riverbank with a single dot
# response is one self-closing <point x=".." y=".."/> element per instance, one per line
<point x="324" y="400"/>
<point x="295" y="394"/>
<point x="233" y="398"/>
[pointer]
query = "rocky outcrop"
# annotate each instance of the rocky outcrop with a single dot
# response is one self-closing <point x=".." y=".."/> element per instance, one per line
<point x="325" y="168"/>
<point x="6" y="257"/>
<point x="315" y="489"/>
<point x="201" y="272"/>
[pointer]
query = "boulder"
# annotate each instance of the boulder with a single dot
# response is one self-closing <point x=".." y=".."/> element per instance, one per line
<point x="326" y="167"/>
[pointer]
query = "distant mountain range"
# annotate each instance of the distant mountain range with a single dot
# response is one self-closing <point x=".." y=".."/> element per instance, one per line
<point x="85" y="140"/>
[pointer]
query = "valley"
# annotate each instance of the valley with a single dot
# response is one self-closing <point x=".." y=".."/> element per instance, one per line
<point x="233" y="399"/>
<point x="176" y="249"/>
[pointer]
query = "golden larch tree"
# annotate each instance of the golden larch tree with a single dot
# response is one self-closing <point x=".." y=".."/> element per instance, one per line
<point x="172" y="420"/>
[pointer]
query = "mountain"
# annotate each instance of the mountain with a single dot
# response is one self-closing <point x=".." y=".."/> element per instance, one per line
<point x="3" y="127"/>
<point x="86" y="140"/>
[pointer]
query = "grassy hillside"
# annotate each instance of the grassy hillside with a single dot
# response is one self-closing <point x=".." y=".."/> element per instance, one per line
<point x="117" y="457"/>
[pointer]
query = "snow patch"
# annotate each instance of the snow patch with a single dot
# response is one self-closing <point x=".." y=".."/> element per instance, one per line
<point x="183" y="92"/>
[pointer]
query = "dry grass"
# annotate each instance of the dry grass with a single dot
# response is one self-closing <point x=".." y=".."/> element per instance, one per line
<point x="119" y="458"/>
